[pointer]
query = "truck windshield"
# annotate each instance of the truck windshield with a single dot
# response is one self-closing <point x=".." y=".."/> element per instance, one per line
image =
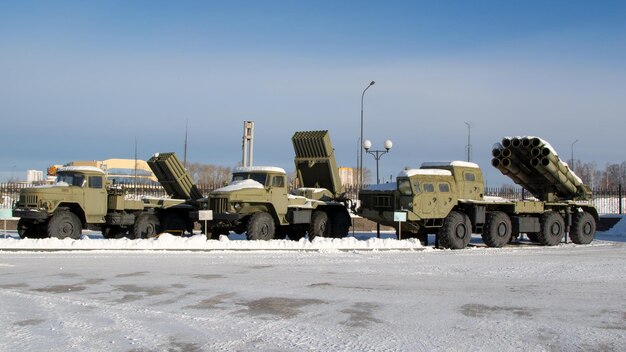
<point x="260" y="178"/>
<point x="71" y="179"/>
<point x="404" y="187"/>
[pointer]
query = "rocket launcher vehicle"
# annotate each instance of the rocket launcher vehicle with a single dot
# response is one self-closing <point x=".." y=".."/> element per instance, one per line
<point x="532" y="163"/>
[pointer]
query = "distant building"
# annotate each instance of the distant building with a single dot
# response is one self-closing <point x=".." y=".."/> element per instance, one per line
<point x="34" y="176"/>
<point x="123" y="171"/>
<point x="347" y="176"/>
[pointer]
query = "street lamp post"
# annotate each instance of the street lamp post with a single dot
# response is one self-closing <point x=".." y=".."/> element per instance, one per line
<point x="377" y="154"/>
<point x="360" y="177"/>
<point x="572" y="160"/>
<point x="469" y="144"/>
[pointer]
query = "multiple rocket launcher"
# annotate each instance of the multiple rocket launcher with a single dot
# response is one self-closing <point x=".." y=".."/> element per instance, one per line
<point x="529" y="161"/>
<point x="533" y="164"/>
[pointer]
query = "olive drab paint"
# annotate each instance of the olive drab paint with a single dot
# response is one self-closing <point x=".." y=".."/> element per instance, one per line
<point x="447" y="199"/>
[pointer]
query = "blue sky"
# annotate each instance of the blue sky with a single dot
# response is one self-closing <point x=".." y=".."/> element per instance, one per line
<point x="81" y="80"/>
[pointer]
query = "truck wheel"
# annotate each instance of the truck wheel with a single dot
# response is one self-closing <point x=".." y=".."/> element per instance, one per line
<point x="64" y="224"/>
<point x="456" y="231"/>
<point x="497" y="230"/>
<point x="28" y="229"/>
<point x="173" y="222"/>
<point x="260" y="227"/>
<point x="583" y="228"/>
<point x="340" y="225"/>
<point x="320" y="226"/>
<point x="146" y="226"/>
<point x="552" y="229"/>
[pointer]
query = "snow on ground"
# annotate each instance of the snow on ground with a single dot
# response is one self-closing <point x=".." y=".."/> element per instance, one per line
<point x="522" y="297"/>
<point x="94" y="241"/>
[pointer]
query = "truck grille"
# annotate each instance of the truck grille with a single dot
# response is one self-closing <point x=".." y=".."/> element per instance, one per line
<point x="28" y="200"/>
<point x="218" y="205"/>
<point x="377" y="201"/>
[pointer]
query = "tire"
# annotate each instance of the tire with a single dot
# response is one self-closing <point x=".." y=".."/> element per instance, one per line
<point x="28" y="229"/>
<point x="261" y="227"/>
<point x="173" y="222"/>
<point x="64" y="224"/>
<point x="320" y="225"/>
<point x="583" y="228"/>
<point x="340" y="225"/>
<point x="146" y="226"/>
<point x="552" y="229"/>
<point x="497" y="229"/>
<point x="456" y="231"/>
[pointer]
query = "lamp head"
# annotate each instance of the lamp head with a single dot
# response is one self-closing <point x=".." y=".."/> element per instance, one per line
<point x="367" y="144"/>
<point x="372" y="83"/>
<point x="388" y="144"/>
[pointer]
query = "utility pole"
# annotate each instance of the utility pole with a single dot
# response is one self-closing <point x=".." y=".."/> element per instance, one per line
<point x="185" y="151"/>
<point x="469" y="143"/>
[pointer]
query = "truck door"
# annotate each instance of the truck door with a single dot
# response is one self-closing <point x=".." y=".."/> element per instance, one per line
<point x="429" y="199"/>
<point x="95" y="199"/>
<point x="445" y="199"/>
<point x="278" y="190"/>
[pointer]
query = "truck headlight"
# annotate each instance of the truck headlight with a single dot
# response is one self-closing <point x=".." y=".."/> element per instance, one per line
<point x="237" y="206"/>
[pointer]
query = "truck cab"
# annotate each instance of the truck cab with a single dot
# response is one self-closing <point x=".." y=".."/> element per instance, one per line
<point x="427" y="195"/>
<point x="429" y="192"/>
<point x="257" y="202"/>
<point x="78" y="190"/>
<point x="251" y="190"/>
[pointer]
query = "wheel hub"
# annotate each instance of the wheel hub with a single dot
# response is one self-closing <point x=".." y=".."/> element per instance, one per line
<point x="461" y="231"/>
<point x="67" y="229"/>
<point x="502" y="230"/>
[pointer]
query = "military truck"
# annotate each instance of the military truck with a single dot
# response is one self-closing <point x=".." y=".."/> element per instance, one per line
<point x="258" y="203"/>
<point x="82" y="197"/>
<point x="448" y="199"/>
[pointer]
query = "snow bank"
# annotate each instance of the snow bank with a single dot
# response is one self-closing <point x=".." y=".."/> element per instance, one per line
<point x="362" y="241"/>
<point x="199" y="242"/>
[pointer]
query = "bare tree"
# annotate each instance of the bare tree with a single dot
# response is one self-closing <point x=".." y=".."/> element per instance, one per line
<point x="213" y="176"/>
<point x="586" y="172"/>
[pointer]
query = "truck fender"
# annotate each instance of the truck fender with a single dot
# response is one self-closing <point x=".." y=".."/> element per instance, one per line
<point x="76" y="209"/>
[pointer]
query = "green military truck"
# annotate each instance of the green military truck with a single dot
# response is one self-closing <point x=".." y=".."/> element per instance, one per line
<point x="82" y="197"/>
<point x="258" y="203"/>
<point x="448" y="199"/>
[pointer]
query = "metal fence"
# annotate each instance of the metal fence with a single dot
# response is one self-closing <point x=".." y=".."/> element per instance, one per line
<point x="606" y="200"/>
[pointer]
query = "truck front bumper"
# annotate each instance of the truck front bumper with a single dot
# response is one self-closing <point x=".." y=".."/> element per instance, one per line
<point x="226" y="217"/>
<point x="230" y="217"/>
<point x="31" y="214"/>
